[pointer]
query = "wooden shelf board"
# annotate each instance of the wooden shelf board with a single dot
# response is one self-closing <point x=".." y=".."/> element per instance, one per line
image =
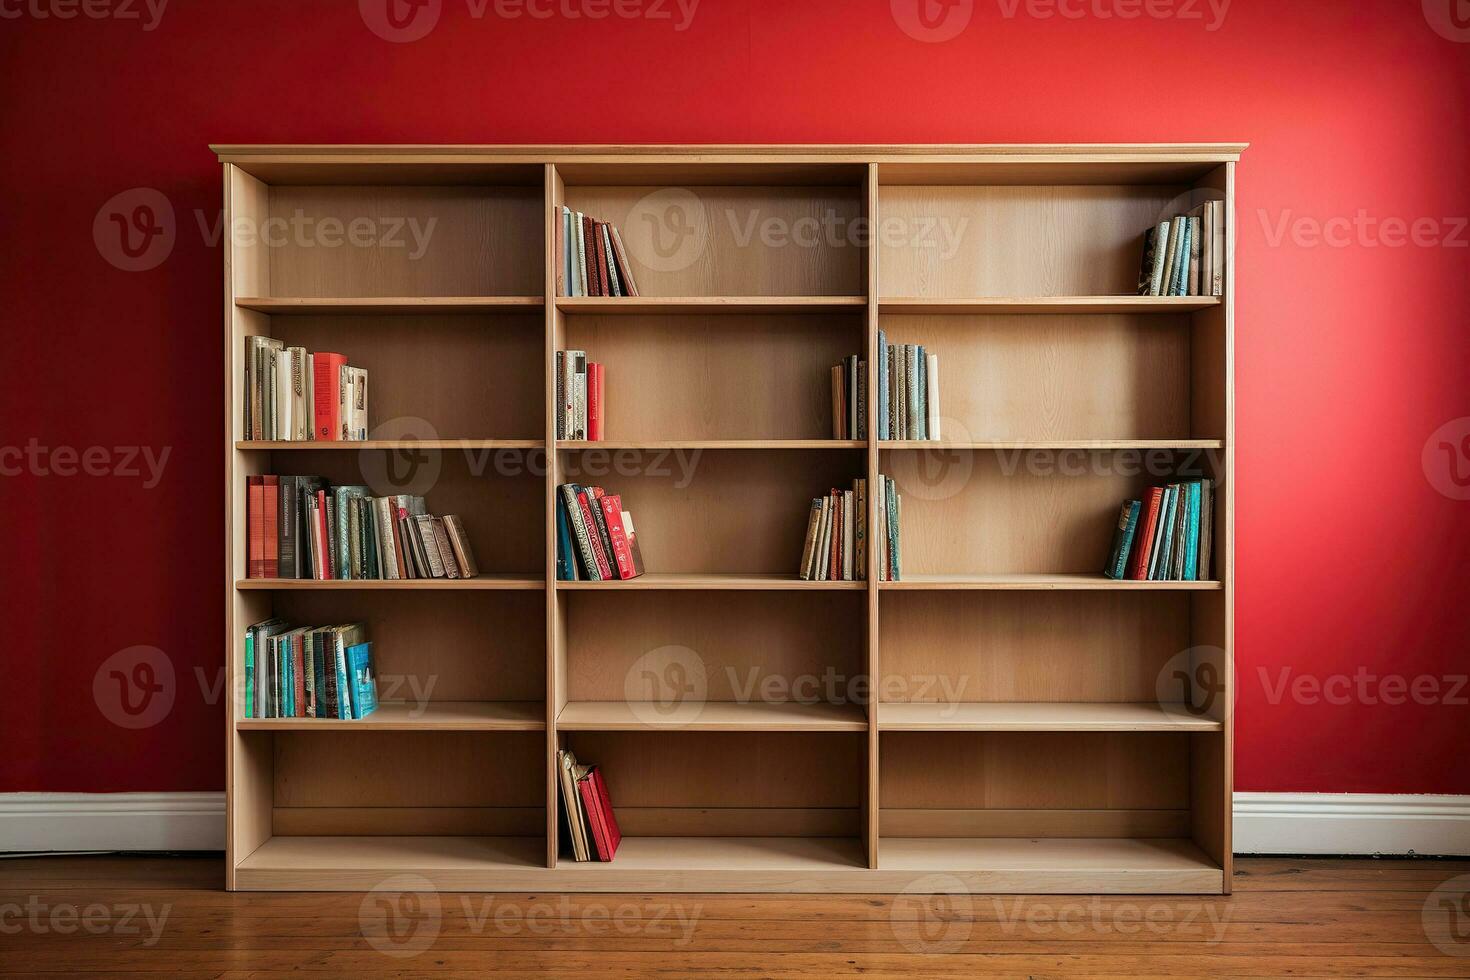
<point x="1047" y="304"/>
<point x="377" y="305"/>
<point x="400" y="716"/>
<point x="714" y="444"/>
<point x="1036" y="582"/>
<point x="687" y="580"/>
<point x="1015" y="716"/>
<point x="496" y="581"/>
<point x="698" y="854"/>
<point x="713" y="716"/>
<point x="313" y="862"/>
<point x="1090" y="444"/>
<point x="683" y="305"/>
<point x="272" y="445"/>
<point x="1058" y="864"/>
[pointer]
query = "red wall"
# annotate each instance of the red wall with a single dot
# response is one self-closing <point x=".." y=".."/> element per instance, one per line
<point x="1349" y="355"/>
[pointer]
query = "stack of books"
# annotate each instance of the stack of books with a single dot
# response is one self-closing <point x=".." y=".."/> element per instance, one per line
<point x="850" y="399"/>
<point x="302" y="527"/>
<point x="1185" y="256"/>
<point x="1166" y="536"/>
<point x="309" y="671"/>
<point x="587" y="810"/>
<point x="590" y="260"/>
<point x="294" y="395"/>
<point x="581" y="396"/>
<point x="595" y="539"/>
<point x="908" y="391"/>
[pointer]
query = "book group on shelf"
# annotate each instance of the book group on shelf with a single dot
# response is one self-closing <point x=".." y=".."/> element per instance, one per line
<point x="590" y="259"/>
<point x="1166" y="536"/>
<point x="295" y="395"/>
<point x="581" y="396"/>
<point x="309" y="671"/>
<point x="586" y="810"/>
<point x="301" y="527"/>
<point x="595" y="539"/>
<point x="908" y="391"/>
<point x="1185" y="255"/>
<point x="836" y="550"/>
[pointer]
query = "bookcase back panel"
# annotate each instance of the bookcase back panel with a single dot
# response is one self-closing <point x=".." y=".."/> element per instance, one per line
<point x="497" y="493"/>
<point x="700" y="511"/>
<point x="752" y="645"/>
<point x="480" y="646"/>
<point x="1022" y="511"/>
<point x="1037" y="378"/>
<point x="1015" y="240"/>
<point x="1029" y="646"/>
<point x="437" y="377"/>
<point x="698" y="240"/>
<point x="719" y="377"/>
<point x="329" y="241"/>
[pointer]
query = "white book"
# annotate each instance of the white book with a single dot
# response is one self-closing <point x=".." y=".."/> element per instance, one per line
<point x="285" y="417"/>
<point x="1217" y="249"/>
<point x="931" y="375"/>
<point x="359" y="403"/>
<point x="579" y="394"/>
<point x="568" y="392"/>
<point x="581" y="256"/>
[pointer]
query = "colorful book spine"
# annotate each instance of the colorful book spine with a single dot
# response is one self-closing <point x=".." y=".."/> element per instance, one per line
<point x="1123" y="539"/>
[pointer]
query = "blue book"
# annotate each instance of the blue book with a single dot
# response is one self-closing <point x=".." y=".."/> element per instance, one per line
<point x="883" y="386"/>
<point x="1179" y="285"/>
<point x="1123" y="539"/>
<point x="250" y="673"/>
<point x="288" y="676"/>
<point x="1191" y="534"/>
<point x="921" y="372"/>
<point x="566" y="559"/>
<point x="364" y="686"/>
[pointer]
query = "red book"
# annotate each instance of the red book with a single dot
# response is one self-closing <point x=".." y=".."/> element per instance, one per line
<point x="604" y="568"/>
<point x="600" y="820"/>
<point x="327" y="375"/>
<point x="255" y="510"/>
<point x="589" y="251"/>
<point x="602" y="258"/>
<point x="271" y="543"/>
<point x="1144" y="535"/>
<point x="594" y="401"/>
<point x="835" y="554"/>
<point x="612" y="514"/>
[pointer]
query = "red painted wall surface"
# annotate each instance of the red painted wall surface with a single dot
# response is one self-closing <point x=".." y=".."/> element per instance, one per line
<point x="1353" y="533"/>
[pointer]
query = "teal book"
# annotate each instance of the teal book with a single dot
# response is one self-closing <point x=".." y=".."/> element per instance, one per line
<point x="1191" y="534"/>
<point x="342" y="532"/>
<point x="1180" y="284"/>
<point x="921" y="400"/>
<point x="1123" y="536"/>
<point x="288" y="678"/>
<point x="250" y="673"/>
<point x="364" y="686"/>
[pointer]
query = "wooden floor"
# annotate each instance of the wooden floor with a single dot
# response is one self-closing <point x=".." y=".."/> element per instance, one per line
<point x="1288" y="918"/>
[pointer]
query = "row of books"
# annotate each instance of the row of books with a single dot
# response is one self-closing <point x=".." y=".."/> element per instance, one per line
<point x="590" y="259"/>
<point x="595" y="538"/>
<point x="836" y="549"/>
<point x="908" y="391"/>
<point x="295" y="395"/>
<point x="850" y="398"/>
<point x="586" y="810"/>
<point x="309" y="671"/>
<point x="581" y="396"/>
<point x="1166" y="536"/>
<point x="1185" y="255"/>
<point x="301" y="527"/>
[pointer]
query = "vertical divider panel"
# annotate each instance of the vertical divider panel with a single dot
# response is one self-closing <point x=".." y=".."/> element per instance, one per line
<point x="556" y="682"/>
<point x="871" y="828"/>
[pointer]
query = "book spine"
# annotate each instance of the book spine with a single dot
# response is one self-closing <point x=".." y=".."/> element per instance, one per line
<point x="580" y="529"/>
<point x="594" y="401"/>
<point x="288" y="529"/>
<point x="1195" y="252"/>
<point x="1171" y="256"/>
<point x="588" y="793"/>
<point x="594" y="536"/>
<point x="882" y="412"/>
<point x="561" y="251"/>
<point x="813" y="524"/>
<point x="839" y="416"/>
<point x="327" y="369"/>
<point x="624" y="269"/>
<point x="1181" y="265"/>
<point x="579" y="395"/>
<point x="1148" y="520"/>
<point x="931" y="397"/>
<point x="561" y="396"/>
<point x="1160" y="258"/>
<point x="1145" y="267"/>
<point x="609" y="260"/>
<point x="566" y="564"/>
<point x="1123" y="539"/>
<point x="612" y="516"/>
<point x="599" y="234"/>
<point x="272" y="500"/>
<point x="860" y="529"/>
<point x="1217" y="272"/>
<point x="249" y="706"/>
<point x="895" y="553"/>
<point x="1191" y="535"/>
<point x="255" y="524"/>
<point x="589" y="256"/>
<point x="579" y="244"/>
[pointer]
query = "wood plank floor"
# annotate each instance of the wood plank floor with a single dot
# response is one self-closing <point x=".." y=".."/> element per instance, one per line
<point x="114" y="915"/>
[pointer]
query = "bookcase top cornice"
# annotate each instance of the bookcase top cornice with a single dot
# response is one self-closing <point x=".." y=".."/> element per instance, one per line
<point x="855" y="152"/>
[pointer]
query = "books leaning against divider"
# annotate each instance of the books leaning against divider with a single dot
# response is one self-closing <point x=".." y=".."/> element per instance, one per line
<point x="581" y="396"/>
<point x="309" y="671"/>
<point x="301" y="527"/>
<point x="908" y="391"/>
<point x="1166" y="536"/>
<point x="1185" y="255"/>
<point x="595" y="537"/>
<point x="294" y="395"/>
<point x="586" y="809"/>
<point x="590" y="258"/>
<point x="850" y="398"/>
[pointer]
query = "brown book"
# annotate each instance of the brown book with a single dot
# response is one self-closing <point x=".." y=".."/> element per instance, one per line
<point x="625" y="271"/>
<point x="589" y="249"/>
<point x="446" y="551"/>
<point x="255" y="508"/>
<point x="271" y="543"/>
<point x="601" y="249"/>
<point x="459" y="543"/>
<point x="561" y="252"/>
<point x="813" y="524"/>
<point x="425" y="526"/>
<point x="839" y="410"/>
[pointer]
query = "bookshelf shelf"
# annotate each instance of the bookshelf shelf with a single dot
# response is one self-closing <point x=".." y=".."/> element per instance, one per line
<point x="1013" y="716"/>
<point x="995" y="716"/>
<point x="431" y="716"/>
<point x="711" y="716"/>
<point x="386" y="305"/>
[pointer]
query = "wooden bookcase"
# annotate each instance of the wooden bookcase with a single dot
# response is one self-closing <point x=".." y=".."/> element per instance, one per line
<point x="1003" y="719"/>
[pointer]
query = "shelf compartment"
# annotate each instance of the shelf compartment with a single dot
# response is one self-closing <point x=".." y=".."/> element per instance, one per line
<point x="496" y="581"/>
<point x="1021" y="305"/>
<point x="708" y="305"/>
<point x="448" y="716"/>
<point x="1052" y="865"/>
<point x="714" y="582"/>
<point x="1016" y="716"/>
<point x="1077" y="582"/>
<point x="713" y="716"/>
<point x="386" y="305"/>
<point x="358" y="863"/>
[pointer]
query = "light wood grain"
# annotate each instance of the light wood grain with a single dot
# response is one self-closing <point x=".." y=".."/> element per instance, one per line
<point x="706" y="305"/>
<point x="496" y="581"/>
<point x="712" y="716"/>
<point x="1065" y="582"/>
<point x="398" y="716"/>
<point x="1049" y="305"/>
<point x="1014" y="716"/>
<point x="385" y="305"/>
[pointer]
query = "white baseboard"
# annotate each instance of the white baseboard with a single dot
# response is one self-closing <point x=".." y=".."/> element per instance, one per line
<point x="1265" y="823"/>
